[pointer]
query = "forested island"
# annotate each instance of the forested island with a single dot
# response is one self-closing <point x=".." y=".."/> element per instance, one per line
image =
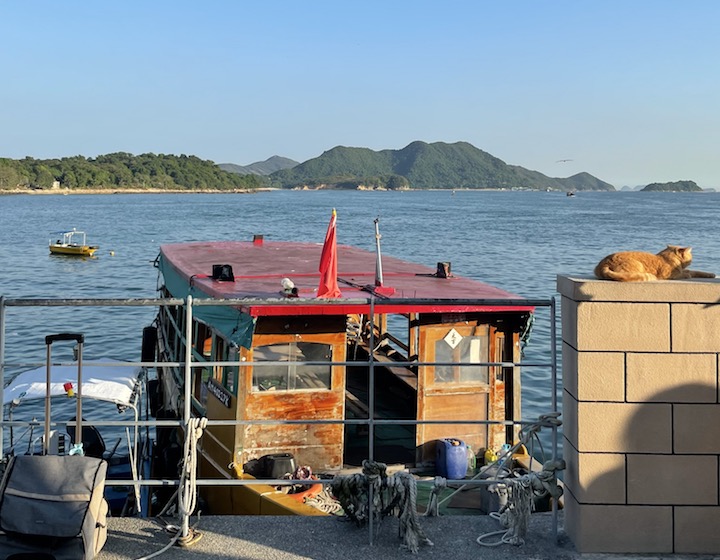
<point x="122" y="172"/>
<point x="674" y="186"/>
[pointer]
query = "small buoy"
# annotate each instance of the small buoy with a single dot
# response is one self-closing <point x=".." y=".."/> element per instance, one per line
<point x="112" y="253"/>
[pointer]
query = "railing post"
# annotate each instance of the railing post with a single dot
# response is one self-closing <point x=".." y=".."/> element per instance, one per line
<point x="2" y="374"/>
<point x="371" y="415"/>
<point x="182" y="499"/>
<point x="553" y="400"/>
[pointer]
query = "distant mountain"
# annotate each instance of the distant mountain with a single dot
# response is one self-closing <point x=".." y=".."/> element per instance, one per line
<point x="266" y="167"/>
<point x="424" y="166"/>
<point x="675" y="186"/>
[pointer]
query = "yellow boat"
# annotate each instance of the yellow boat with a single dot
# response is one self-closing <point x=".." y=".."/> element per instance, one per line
<point x="72" y="243"/>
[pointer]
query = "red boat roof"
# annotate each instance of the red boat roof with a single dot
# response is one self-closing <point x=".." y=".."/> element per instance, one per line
<point x="259" y="268"/>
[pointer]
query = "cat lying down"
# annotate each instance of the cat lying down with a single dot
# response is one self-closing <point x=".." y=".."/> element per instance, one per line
<point x="635" y="266"/>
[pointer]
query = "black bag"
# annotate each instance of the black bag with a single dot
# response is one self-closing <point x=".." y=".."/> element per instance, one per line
<point x="54" y="504"/>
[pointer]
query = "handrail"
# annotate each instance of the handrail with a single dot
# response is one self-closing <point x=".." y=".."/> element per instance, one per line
<point x="189" y="364"/>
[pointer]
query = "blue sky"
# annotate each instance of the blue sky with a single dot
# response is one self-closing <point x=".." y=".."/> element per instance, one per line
<point x="628" y="90"/>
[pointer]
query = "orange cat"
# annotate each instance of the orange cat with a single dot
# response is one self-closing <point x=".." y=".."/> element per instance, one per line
<point x="634" y="266"/>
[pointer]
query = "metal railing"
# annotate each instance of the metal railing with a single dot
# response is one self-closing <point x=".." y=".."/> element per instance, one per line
<point x="188" y="364"/>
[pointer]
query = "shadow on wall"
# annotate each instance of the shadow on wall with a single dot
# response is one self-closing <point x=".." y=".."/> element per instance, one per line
<point x="650" y="481"/>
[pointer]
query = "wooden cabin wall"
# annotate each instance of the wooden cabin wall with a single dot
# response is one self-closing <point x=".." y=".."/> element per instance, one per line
<point x="318" y="445"/>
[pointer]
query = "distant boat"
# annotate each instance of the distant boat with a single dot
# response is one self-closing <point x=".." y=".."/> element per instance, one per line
<point x="570" y="193"/>
<point x="72" y="243"/>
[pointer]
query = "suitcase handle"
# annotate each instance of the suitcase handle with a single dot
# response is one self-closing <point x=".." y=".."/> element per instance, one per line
<point x="49" y="339"/>
<point x="79" y="337"/>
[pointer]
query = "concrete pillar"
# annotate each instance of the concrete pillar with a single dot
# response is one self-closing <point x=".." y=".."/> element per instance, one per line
<point x="641" y="415"/>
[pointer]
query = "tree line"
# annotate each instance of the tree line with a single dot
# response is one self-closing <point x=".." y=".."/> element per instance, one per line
<point x="122" y="170"/>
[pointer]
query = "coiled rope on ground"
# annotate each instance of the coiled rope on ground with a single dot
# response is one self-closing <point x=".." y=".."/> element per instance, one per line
<point x="519" y="492"/>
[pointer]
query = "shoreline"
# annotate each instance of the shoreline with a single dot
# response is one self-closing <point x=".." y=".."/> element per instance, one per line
<point x="63" y="192"/>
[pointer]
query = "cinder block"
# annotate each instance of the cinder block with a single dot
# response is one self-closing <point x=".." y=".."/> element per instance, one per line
<point x="623" y="327"/>
<point x="672" y="479"/>
<point x="595" y="478"/>
<point x="655" y="377"/>
<point x="696" y="530"/>
<point x="696" y="428"/>
<point x="624" y="427"/>
<point x="619" y="529"/>
<point x="695" y="327"/>
<point x="600" y="375"/>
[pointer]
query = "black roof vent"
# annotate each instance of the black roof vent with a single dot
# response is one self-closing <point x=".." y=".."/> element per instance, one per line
<point x="223" y="273"/>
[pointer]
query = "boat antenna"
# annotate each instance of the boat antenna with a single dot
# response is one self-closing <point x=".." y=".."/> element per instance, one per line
<point x="378" y="255"/>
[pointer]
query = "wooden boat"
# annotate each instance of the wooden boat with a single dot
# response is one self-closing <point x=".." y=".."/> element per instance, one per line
<point x="71" y="243"/>
<point x="295" y="345"/>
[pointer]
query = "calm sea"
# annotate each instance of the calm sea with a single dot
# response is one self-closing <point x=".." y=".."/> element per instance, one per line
<point x="519" y="241"/>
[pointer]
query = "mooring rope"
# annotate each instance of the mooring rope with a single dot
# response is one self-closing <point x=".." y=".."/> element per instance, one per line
<point x="187" y="500"/>
<point x="520" y="493"/>
<point x="526" y="438"/>
<point x="394" y="495"/>
<point x="187" y="497"/>
<point x="325" y="502"/>
<point x="514" y="515"/>
<point x="187" y="490"/>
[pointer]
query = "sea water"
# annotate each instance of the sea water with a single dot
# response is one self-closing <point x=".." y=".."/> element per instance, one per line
<point x="518" y="241"/>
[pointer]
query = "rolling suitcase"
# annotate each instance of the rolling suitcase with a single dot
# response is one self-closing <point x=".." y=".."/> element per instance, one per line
<point x="52" y="506"/>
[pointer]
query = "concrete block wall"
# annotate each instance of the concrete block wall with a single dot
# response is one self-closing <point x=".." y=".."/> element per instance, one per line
<point x="641" y="410"/>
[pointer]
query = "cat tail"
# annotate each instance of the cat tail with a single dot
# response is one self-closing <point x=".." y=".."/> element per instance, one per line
<point x="606" y="273"/>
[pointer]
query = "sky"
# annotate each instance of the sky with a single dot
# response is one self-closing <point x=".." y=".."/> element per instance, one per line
<point x="626" y="90"/>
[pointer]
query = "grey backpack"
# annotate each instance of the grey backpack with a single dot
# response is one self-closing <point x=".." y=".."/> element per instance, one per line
<point x="54" y="504"/>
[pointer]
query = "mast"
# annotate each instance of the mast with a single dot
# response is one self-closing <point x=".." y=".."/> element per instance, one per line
<point x="378" y="255"/>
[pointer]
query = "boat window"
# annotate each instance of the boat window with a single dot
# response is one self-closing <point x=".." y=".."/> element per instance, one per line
<point x="231" y="372"/>
<point x="225" y="375"/>
<point x="202" y="375"/>
<point x="219" y="355"/>
<point x="282" y="377"/>
<point x="462" y="350"/>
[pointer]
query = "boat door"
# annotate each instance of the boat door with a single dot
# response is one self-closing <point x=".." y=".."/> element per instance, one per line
<point x="463" y="387"/>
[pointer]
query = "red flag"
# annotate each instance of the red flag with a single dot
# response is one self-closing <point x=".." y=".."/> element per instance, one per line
<point x="328" y="263"/>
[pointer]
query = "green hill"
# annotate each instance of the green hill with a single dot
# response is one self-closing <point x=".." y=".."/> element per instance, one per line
<point x="424" y="166"/>
<point x="675" y="186"/>
<point x="122" y="171"/>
